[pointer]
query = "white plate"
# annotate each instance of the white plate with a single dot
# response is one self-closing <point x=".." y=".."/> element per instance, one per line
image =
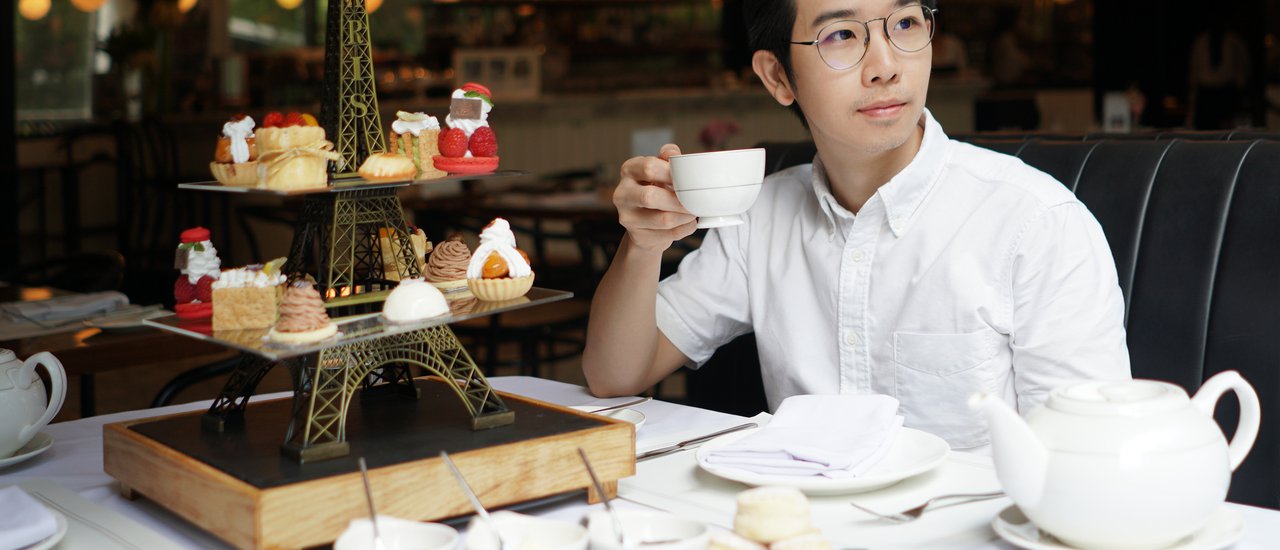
<point x="630" y="415"/>
<point x="38" y="444"/>
<point x="55" y="537"/>
<point x="913" y="453"/>
<point x="1223" y="529"/>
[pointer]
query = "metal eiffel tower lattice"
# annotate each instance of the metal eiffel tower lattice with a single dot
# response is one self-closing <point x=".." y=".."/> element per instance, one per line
<point x="337" y="239"/>
<point x="350" y="108"/>
<point x="318" y="430"/>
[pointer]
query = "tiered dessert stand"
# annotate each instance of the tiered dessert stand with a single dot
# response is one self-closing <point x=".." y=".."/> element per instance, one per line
<point x="355" y="394"/>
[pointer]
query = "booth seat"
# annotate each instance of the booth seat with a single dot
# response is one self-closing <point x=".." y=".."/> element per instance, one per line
<point x="1194" y="226"/>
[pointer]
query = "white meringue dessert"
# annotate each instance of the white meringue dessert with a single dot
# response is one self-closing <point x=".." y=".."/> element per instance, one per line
<point x="414" y="300"/>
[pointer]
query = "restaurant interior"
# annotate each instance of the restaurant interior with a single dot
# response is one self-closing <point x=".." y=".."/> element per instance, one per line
<point x="1163" y="119"/>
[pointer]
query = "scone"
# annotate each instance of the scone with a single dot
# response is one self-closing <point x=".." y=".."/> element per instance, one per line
<point x="770" y="514"/>
<point x="387" y="166"/>
<point x="810" y="541"/>
<point x="725" y="540"/>
<point x="302" y="318"/>
<point x="498" y="270"/>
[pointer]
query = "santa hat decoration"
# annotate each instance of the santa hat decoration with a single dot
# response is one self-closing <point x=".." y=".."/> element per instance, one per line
<point x="191" y="241"/>
<point x="471" y="89"/>
<point x="195" y="235"/>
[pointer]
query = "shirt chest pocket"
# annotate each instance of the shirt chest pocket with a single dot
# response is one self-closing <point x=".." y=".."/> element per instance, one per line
<point x="935" y="375"/>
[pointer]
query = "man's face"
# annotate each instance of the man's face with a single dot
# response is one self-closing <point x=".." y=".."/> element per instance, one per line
<point x="873" y="107"/>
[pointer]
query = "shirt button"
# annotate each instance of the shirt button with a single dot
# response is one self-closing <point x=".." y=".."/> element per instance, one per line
<point x="852" y="339"/>
<point x="896" y="224"/>
<point x="857" y="255"/>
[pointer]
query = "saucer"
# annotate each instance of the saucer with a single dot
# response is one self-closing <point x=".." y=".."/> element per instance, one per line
<point x="629" y="415"/>
<point x="1223" y="529"/>
<point x="711" y="222"/>
<point x="38" y="444"/>
<point x="56" y="537"/>
<point x="912" y="453"/>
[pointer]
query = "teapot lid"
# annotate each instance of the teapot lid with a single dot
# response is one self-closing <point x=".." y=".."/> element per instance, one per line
<point x="1118" y="398"/>
<point x="7" y="356"/>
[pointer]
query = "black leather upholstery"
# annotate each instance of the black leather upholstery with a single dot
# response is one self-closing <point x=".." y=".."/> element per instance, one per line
<point x="1194" y="226"/>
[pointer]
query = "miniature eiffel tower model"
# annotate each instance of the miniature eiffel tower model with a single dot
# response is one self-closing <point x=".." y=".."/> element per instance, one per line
<point x="349" y="112"/>
<point x="338" y="239"/>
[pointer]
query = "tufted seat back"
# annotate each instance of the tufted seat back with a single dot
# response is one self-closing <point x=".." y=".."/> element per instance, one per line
<point x="1194" y="226"/>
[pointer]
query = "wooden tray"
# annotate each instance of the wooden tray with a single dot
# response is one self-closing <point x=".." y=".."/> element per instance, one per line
<point x="238" y="486"/>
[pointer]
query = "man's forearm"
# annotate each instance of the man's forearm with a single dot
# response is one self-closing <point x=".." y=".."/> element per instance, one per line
<point x="622" y="334"/>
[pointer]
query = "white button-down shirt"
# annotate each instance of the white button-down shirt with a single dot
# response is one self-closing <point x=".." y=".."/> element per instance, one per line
<point x="968" y="271"/>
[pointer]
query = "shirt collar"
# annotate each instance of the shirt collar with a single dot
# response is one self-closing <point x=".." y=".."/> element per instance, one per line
<point x="903" y="193"/>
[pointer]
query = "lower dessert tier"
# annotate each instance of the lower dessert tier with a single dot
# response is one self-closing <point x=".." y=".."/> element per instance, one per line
<point x="237" y="484"/>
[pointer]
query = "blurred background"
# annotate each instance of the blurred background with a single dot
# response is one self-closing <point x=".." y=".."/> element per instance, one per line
<point x="112" y="103"/>
<point x="580" y="85"/>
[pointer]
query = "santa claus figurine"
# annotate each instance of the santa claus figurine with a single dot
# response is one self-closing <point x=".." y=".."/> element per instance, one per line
<point x="198" y="261"/>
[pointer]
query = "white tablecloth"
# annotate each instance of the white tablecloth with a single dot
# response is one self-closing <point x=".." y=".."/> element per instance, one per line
<point x="75" y="462"/>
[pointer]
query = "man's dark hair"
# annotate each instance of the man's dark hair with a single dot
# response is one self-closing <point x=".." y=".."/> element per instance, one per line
<point x="769" y="24"/>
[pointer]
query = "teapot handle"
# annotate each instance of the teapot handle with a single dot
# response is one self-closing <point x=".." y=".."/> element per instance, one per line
<point x="1247" y="428"/>
<point x="58" y="380"/>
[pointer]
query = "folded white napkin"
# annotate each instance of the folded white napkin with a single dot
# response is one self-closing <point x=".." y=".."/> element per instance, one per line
<point x="67" y="307"/>
<point x="836" y="436"/>
<point x="25" y="521"/>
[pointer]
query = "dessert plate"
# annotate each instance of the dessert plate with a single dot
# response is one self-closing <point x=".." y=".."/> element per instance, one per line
<point x="630" y="415"/>
<point x="912" y="453"/>
<point x="1223" y="529"/>
<point x="56" y="537"/>
<point x="38" y="444"/>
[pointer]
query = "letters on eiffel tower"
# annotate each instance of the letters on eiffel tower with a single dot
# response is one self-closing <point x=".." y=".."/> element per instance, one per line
<point x="350" y="108"/>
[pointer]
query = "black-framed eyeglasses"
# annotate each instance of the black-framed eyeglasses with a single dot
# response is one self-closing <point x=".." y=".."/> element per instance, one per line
<point x="843" y="44"/>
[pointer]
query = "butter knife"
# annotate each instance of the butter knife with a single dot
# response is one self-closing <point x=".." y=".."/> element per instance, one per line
<point x="681" y="445"/>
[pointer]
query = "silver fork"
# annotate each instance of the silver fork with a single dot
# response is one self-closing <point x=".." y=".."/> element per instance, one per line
<point x="912" y="514"/>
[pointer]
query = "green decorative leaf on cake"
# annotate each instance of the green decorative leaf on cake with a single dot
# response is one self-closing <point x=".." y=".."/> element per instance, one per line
<point x="479" y="95"/>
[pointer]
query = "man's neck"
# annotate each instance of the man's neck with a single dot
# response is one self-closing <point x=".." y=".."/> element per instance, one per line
<point x="855" y="176"/>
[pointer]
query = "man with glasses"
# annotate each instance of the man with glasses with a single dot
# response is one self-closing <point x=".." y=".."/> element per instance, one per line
<point x="899" y="262"/>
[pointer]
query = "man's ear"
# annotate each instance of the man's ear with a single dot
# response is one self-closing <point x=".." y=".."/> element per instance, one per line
<point x="774" y="76"/>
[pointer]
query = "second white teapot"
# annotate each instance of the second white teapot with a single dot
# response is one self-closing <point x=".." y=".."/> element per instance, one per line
<point x="1127" y="464"/>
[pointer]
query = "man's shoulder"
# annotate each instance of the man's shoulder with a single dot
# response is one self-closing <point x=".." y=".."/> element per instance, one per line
<point x="1007" y="174"/>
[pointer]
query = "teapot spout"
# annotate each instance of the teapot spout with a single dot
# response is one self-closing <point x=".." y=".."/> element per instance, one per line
<point x="1020" y="458"/>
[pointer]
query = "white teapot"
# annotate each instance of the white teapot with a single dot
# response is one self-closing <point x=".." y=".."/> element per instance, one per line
<point x="23" y="410"/>
<point x="1128" y="464"/>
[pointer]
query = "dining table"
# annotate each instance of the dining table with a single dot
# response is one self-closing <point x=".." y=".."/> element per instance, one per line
<point x="70" y="477"/>
<point x="87" y="351"/>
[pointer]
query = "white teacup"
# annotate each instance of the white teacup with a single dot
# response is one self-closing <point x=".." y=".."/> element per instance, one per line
<point x="23" y="407"/>
<point x="526" y="532"/>
<point x="397" y="534"/>
<point x="719" y="186"/>
<point x="650" y="529"/>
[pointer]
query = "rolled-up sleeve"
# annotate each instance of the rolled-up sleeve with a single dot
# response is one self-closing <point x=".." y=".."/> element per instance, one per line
<point x="704" y="304"/>
<point x="1068" y="311"/>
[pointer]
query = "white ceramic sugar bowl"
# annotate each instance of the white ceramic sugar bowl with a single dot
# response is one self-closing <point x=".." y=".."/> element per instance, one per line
<point x="1128" y="464"/>
<point x="23" y="408"/>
